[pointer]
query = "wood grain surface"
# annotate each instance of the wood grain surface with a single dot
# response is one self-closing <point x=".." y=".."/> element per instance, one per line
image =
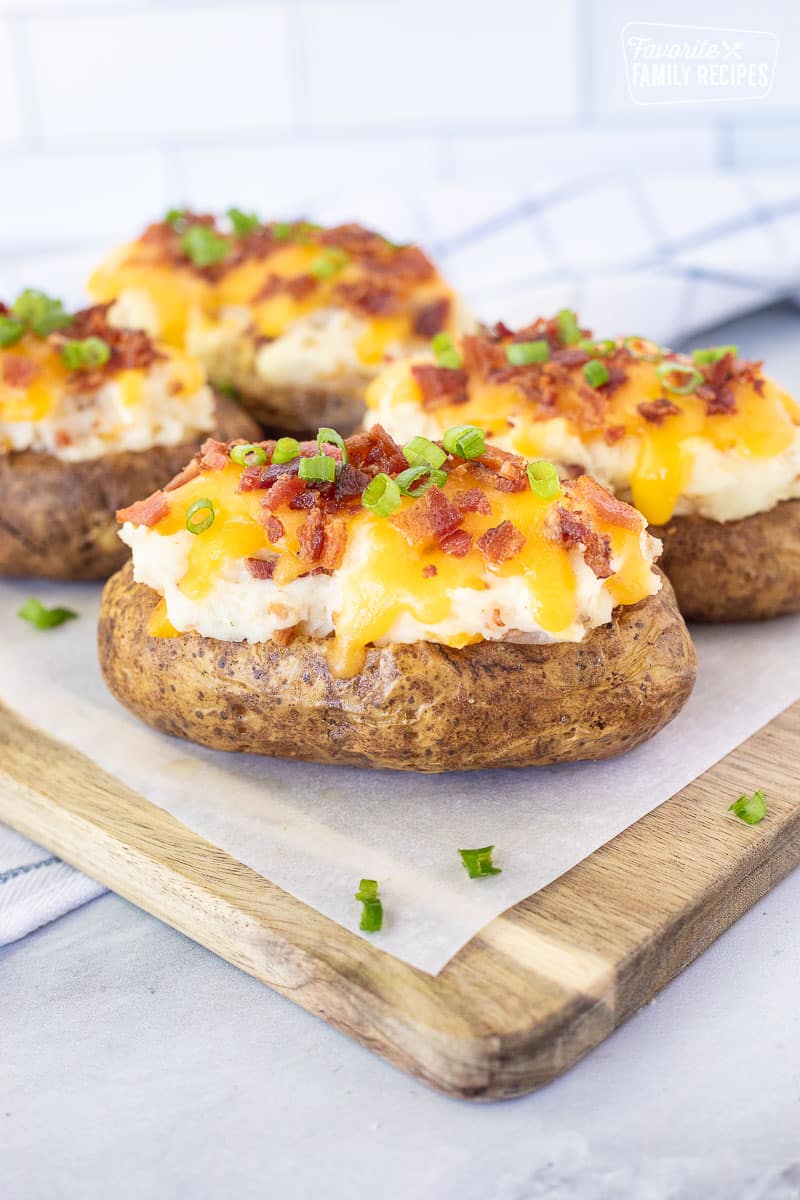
<point x="527" y="997"/>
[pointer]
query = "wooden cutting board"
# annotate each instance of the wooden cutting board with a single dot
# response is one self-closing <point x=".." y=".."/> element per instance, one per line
<point x="527" y="997"/>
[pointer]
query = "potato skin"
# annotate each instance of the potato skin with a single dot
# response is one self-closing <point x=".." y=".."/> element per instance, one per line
<point x="57" y="518"/>
<point x="419" y="707"/>
<point x="745" y="570"/>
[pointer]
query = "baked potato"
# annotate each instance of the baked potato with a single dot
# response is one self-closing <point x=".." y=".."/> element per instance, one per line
<point x="78" y="442"/>
<point x="296" y="318"/>
<point x="419" y="609"/>
<point x="706" y="446"/>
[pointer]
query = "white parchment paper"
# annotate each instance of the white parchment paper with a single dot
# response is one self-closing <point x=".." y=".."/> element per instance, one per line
<point x="315" y="830"/>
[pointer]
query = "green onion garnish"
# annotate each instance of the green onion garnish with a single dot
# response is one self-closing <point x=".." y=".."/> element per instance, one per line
<point x="543" y="478"/>
<point x="40" y="312"/>
<point x="465" y="441"/>
<point x="10" y="330"/>
<point x="750" y="809"/>
<point x="242" y="222"/>
<point x="44" y="618"/>
<point x="227" y="389"/>
<point x="307" y="231"/>
<point x="568" y="329"/>
<point x="321" y="468"/>
<point x="281" y="230"/>
<point x="330" y="436"/>
<point x="595" y="373"/>
<point x="203" y="245"/>
<point x="522" y="354"/>
<point x="690" y="377"/>
<point x="406" y="479"/>
<point x="204" y="522"/>
<point x="83" y="355"/>
<point x="479" y="862"/>
<point x="286" y="449"/>
<point x="445" y="352"/>
<point x="249" y="456"/>
<point x="602" y="348"/>
<point x="644" y="349"/>
<point x="713" y="354"/>
<point x="329" y="263"/>
<point x="381" y="496"/>
<point x="175" y="218"/>
<point x="420" y="451"/>
<point x="372" y="912"/>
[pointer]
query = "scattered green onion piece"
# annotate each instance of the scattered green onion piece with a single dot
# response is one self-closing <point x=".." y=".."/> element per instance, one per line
<point x="543" y="478"/>
<point x="306" y="231"/>
<point x="713" y="354"/>
<point x="329" y="263"/>
<point x="83" y="355"/>
<point x="174" y="217"/>
<point x="666" y="371"/>
<point x="479" y="862"/>
<point x="286" y="448"/>
<point x="321" y="468"/>
<point x="644" y="349"/>
<point x="40" y="312"/>
<point x="432" y="478"/>
<point x="381" y="496"/>
<point x="200" y="506"/>
<point x="601" y="349"/>
<point x="595" y="373"/>
<point x="10" y="331"/>
<point x="445" y="352"/>
<point x="281" y="230"/>
<point x="331" y="437"/>
<point x="44" y="618"/>
<point x="522" y="354"/>
<point x="372" y="912"/>
<point x="465" y="441"/>
<point x="249" y="455"/>
<point x="750" y="809"/>
<point x="568" y="328"/>
<point x="420" y="452"/>
<point x="204" y="246"/>
<point x="227" y="389"/>
<point x="243" y="222"/>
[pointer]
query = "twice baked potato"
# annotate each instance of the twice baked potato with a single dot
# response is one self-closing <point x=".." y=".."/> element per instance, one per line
<point x="706" y="446"/>
<point x="90" y="418"/>
<point x="296" y="318"/>
<point x="422" y="608"/>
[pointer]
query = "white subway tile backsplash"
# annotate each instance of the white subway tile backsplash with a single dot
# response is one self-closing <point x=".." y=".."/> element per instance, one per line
<point x="412" y="63"/>
<point x="189" y="72"/>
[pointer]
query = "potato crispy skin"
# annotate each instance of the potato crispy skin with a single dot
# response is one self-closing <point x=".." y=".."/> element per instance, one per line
<point x="57" y="518"/>
<point x="745" y="570"/>
<point x="420" y="707"/>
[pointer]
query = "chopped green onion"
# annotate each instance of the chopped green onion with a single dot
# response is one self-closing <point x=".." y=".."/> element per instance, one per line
<point x="204" y="246"/>
<point x="692" y="378"/>
<point x="329" y="263"/>
<point x="465" y="441"/>
<point x="602" y="348"/>
<point x="242" y="222"/>
<point x="330" y="436"/>
<point x="372" y="913"/>
<point x="479" y="862"/>
<point x="750" y="809"/>
<point x="321" y="468"/>
<point x="205" y="522"/>
<point x="286" y="448"/>
<point x="522" y="354"/>
<point x="281" y="230"/>
<point x="543" y="478"/>
<point x="306" y="231"/>
<point x="381" y="496"/>
<point x="420" y="451"/>
<point x="227" y="389"/>
<point x="83" y="355"/>
<point x="432" y="478"/>
<point x="568" y="328"/>
<point x="249" y="455"/>
<point x="10" y="330"/>
<point x="595" y="373"/>
<point x="175" y="218"/>
<point x="445" y="352"/>
<point x="40" y="312"/>
<point x="713" y="354"/>
<point x="44" y="618"/>
<point x="644" y="349"/>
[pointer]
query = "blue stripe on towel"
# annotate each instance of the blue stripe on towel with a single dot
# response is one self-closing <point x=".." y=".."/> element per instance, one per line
<point x="14" y="871"/>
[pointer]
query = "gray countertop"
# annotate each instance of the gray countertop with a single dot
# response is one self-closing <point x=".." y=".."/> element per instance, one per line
<point x="134" y="1063"/>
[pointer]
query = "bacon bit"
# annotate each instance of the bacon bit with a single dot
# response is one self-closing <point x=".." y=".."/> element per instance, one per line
<point x="254" y="479"/>
<point x="411" y="264"/>
<point x="333" y="545"/>
<point x="657" y="411"/>
<point x="473" y="500"/>
<point x="571" y="357"/>
<point x="189" y="472"/>
<point x="574" y="531"/>
<point x="145" y="512"/>
<point x="497" y="620"/>
<point x="19" y="372"/>
<point x="429" y="571"/>
<point x="262" y="568"/>
<point x="458" y="543"/>
<point x="501" y="543"/>
<point x="282" y="637"/>
<point x="613" y="433"/>
<point x="432" y="516"/>
<point x="375" y="451"/>
<point x="366" y="297"/>
<point x="350" y="482"/>
<point x="483" y="355"/>
<point x="587" y="490"/>
<point x="274" y="528"/>
<point x="213" y="455"/>
<point x="431" y="318"/>
<point x="298" y="287"/>
<point x="311" y="536"/>
<point x="723" y="403"/>
<point x="440" y="385"/>
<point x="501" y="470"/>
<point x="311" y="497"/>
<point x="285" y="489"/>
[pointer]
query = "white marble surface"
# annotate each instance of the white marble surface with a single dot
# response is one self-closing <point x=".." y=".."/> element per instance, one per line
<point x="134" y="1064"/>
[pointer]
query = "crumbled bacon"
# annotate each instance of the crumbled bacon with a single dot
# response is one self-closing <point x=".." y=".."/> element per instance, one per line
<point x="440" y="385"/>
<point x="296" y="286"/>
<point x="262" y="568"/>
<point x="429" y="571"/>
<point x="375" y="451"/>
<point x="722" y="403"/>
<point x="613" y="433"/>
<point x="366" y="297"/>
<point x="574" y="531"/>
<point x="501" y="543"/>
<point x="145" y="512"/>
<point x="189" y="472"/>
<point x="274" y="528"/>
<point x="350" y="482"/>
<point x="214" y="455"/>
<point x="586" y="490"/>
<point x="431" y="318"/>
<point x="657" y="411"/>
<point x="333" y="544"/>
<point x="473" y="500"/>
<point x="458" y="543"/>
<point x="19" y="372"/>
<point x="501" y="470"/>
<point x="432" y="516"/>
<point x="311" y="536"/>
<point x="285" y="489"/>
